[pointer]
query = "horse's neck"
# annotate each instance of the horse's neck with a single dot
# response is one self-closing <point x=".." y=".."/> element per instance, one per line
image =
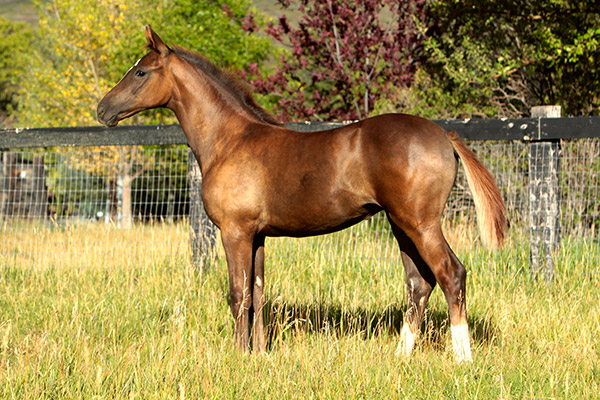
<point x="209" y="123"/>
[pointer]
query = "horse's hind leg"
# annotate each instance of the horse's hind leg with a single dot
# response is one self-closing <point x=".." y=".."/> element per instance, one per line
<point x="450" y="274"/>
<point x="420" y="283"/>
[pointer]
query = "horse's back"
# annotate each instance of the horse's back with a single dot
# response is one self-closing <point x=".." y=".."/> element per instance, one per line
<point x="403" y="132"/>
<point x="298" y="183"/>
<point x="353" y="171"/>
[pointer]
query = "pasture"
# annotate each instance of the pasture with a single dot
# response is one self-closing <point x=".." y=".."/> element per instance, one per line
<point x="129" y="326"/>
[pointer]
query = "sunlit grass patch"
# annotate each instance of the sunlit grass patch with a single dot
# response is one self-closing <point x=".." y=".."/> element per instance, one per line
<point x="141" y="326"/>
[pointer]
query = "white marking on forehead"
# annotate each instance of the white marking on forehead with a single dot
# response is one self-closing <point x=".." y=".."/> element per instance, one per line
<point x="132" y="67"/>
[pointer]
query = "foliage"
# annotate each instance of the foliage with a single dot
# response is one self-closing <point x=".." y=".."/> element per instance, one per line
<point x="205" y="27"/>
<point x="503" y="57"/>
<point x="86" y="46"/>
<point x="16" y="41"/>
<point x="579" y="177"/>
<point x="79" y="54"/>
<point x="73" y="65"/>
<point x="343" y="56"/>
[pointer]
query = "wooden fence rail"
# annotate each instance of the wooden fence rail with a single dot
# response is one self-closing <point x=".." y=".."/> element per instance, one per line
<point x="542" y="132"/>
<point x="523" y="129"/>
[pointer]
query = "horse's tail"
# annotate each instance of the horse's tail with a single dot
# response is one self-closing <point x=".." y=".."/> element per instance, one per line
<point x="490" y="208"/>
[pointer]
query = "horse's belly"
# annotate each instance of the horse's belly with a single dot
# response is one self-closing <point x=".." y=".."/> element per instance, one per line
<point x="310" y="221"/>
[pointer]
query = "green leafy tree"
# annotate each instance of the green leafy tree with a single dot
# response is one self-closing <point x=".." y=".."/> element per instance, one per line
<point x="504" y="56"/>
<point x="81" y="49"/>
<point x="206" y="27"/>
<point x="16" y="41"/>
<point x="85" y="47"/>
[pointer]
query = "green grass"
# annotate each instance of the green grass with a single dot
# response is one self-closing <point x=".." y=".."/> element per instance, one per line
<point x="162" y="330"/>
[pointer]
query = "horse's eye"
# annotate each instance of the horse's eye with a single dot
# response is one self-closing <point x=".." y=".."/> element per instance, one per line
<point x="139" y="73"/>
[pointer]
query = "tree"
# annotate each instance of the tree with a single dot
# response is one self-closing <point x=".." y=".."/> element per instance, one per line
<point x="16" y="41"/>
<point x="343" y="56"/>
<point x="504" y="56"/>
<point x="85" y="46"/>
<point x="205" y="27"/>
<point x="70" y="69"/>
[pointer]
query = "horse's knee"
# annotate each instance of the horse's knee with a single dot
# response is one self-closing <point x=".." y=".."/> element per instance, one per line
<point x="418" y="287"/>
<point x="240" y="302"/>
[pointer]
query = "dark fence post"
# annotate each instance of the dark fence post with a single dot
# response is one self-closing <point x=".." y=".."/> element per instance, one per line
<point x="544" y="198"/>
<point x="203" y="233"/>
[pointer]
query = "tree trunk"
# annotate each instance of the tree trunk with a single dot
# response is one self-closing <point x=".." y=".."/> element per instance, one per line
<point x="7" y="161"/>
<point x="124" y="214"/>
<point x="111" y="201"/>
<point x="39" y="206"/>
<point x="127" y="214"/>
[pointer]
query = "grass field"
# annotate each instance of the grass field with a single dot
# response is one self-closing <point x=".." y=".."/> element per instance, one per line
<point x="155" y="328"/>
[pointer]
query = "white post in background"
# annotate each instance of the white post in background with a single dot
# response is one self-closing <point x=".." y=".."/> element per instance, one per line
<point x="7" y="183"/>
<point x="544" y="198"/>
<point x="203" y="233"/>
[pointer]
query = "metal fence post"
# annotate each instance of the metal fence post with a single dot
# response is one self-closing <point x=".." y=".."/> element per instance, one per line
<point x="544" y="197"/>
<point x="203" y="233"/>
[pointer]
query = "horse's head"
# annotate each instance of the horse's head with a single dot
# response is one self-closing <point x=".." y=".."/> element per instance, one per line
<point x="146" y="85"/>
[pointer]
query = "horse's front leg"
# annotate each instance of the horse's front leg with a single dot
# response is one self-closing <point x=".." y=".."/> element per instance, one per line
<point x="239" y="252"/>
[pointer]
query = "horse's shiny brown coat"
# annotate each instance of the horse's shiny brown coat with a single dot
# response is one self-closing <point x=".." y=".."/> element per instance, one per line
<point x="261" y="179"/>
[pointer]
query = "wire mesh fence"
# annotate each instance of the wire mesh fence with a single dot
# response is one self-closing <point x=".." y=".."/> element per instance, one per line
<point x="130" y="205"/>
<point x="94" y="206"/>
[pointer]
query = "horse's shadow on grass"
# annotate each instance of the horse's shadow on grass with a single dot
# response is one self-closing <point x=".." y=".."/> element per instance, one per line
<point x="284" y="319"/>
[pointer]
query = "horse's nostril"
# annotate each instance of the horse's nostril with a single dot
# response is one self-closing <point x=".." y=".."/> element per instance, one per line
<point x="101" y="114"/>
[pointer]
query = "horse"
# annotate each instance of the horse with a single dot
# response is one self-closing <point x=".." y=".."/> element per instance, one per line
<point x="262" y="179"/>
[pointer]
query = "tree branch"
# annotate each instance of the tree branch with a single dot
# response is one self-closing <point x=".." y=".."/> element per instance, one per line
<point x="337" y="55"/>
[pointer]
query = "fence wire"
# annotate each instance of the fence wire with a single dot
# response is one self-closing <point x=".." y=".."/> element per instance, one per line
<point x="109" y="206"/>
<point x="94" y="206"/>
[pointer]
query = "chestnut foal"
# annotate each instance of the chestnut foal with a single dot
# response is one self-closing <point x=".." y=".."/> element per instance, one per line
<point x="261" y="179"/>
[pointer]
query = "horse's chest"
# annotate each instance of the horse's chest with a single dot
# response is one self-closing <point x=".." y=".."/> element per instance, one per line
<point x="229" y="196"/>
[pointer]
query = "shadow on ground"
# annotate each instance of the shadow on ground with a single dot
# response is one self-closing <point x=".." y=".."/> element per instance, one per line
<point x="284" y="319"/>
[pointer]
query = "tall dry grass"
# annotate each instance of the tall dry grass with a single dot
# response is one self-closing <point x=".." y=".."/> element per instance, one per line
<point x="142" y="324"/>
<point x="82" y="244"/>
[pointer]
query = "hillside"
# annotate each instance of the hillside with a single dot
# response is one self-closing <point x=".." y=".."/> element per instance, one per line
<point x="24" y="10"/>
<point x="18" y="10"/>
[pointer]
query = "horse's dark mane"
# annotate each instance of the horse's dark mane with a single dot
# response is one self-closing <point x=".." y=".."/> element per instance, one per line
<point x="229" y="82"/>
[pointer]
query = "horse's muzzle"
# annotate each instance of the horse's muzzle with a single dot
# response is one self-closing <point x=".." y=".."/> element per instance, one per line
<point x="108" y="120"/>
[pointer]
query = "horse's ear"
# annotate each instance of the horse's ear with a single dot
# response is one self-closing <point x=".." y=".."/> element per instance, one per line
<point x="155" y="43"/>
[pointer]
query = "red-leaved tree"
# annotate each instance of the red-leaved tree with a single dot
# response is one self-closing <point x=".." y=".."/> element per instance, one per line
<point x="344" y="55"/>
